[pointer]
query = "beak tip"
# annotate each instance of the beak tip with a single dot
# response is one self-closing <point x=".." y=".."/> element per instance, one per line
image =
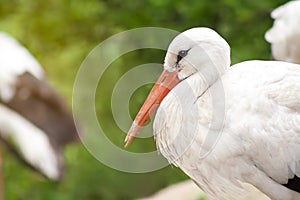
<point x="126" y="145"/>
<point x="134" y="129"/>
<point x="128" y="140"/>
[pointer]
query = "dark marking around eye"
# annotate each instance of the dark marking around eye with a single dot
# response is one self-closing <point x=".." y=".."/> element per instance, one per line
<point x="181" y="54"/>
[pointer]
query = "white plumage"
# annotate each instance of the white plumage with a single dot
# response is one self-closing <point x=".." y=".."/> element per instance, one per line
<point x="15" y="61"/>
<point x="285" y="33"/>
<point x="32" y="114"/>
<point x="224" y="125"/>
<point x="33" y="142"/>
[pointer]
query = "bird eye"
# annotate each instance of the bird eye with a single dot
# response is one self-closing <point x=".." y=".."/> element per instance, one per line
<point x="181" y="54"/>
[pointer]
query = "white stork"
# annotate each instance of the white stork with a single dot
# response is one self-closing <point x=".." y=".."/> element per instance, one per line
<point x="33" y="116"/>
<point x="284" y="36"/>
<point x="226" y="125"/>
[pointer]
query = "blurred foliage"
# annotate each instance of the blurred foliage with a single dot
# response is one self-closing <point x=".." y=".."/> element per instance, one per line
<point x="60" y="33"/>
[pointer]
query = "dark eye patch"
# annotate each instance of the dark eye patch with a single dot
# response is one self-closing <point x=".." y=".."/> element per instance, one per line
<point x="181" y="54"/>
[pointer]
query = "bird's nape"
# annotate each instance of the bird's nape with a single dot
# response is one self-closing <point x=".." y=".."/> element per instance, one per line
<point x="162" y="87"/>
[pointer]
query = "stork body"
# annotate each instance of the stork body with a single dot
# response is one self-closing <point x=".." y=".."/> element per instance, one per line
<point x="223" y="126"/>
<point x="285" y="33"/>
<point x="32" y="114"/>
<point x="259" y="139"/>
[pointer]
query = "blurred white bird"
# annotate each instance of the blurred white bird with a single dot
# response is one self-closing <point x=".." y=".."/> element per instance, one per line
<point x="35" y="123"/>
<point x="284" y="36"/>
<point x="223" y="125"/>
<point x="188" y="190"/>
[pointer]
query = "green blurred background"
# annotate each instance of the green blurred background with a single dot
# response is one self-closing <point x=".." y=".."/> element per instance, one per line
<point x="61" y="33"/>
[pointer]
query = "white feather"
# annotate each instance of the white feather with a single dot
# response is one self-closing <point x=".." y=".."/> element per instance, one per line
<point x="14" y="61"/>
<point x="285" y="33"/>
<point x="32" y="142"/>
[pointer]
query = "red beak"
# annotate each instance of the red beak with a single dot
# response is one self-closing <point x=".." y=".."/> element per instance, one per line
<point x="166" y="82"/>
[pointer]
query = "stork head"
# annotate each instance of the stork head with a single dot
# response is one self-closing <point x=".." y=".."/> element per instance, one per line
<point x="197" y="50"/>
